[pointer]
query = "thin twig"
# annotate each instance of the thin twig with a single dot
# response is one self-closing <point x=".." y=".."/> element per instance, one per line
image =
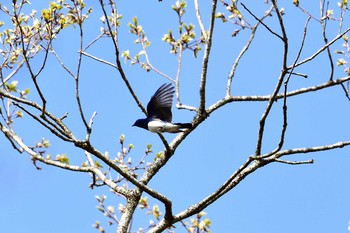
<point x="285" y="116"/>
<point x="33" y="76"/>
<point x="177" y="80"/>
<point x="99" y="59"/>
<point x="318" y="52"/>
<point x="256" y="18"/>
<point x="199" y="19"/>
<point x="88" y="134"/>
<point x="310" y="161"/>
<point x="278" y="85"/>
<point x="19" y="66"/>
<point x="58" y="121"/>
<point x="242" y="52"/>
<point x="77" y="77"/>
<point x="325" y="39"/>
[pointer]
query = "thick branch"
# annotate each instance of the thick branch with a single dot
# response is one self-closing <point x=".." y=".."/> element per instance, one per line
<point x="206" y="61"/>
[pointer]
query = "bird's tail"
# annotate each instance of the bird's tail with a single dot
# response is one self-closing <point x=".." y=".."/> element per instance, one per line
<point x="184" y="125"/>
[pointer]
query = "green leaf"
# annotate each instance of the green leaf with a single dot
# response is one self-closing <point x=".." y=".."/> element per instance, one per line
<point x="155" y="211"/>
<point x="341" y="62"/>
<point x="85" y="164"/>
<point x="25" y="92"/>
<point x="143" y="202"/>
<point x="47" y="15"/>
<point x="45" y="143"/>
<point x="97" y="164"/>
<point x="19" y="114"/>
<point x="12" y="86"/>
<point x="62" y="158"/>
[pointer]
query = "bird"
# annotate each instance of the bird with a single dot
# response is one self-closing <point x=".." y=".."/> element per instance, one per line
<point x="159" y="114"/>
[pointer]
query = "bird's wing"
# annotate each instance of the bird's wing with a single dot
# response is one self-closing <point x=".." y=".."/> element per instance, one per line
<point x="160" y="104"/>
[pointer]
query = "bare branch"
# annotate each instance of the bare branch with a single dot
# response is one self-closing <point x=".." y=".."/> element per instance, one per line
<point x="58" y="121"/>
<point x="310" y="161"/>
<point x="61" y="63"/>
<point x="90" y="126"/>
<point x="119" y="66"/>
<point x="120" y="190"/>
<point x="244" y="49"/>
<point x="19" y="66"/>
<point x="323" y="26"/>
<point x="77" y="77"/>
<point x="278" y="85"/>
<point x="54" y="129"/>
<point x="9" y="134"/>
<point x="99" y="59"/>
<point x="312" y="149"/>
<point x="93" y="41"/>
<point x="259" y="98"/>
<point x="247" y="168"/>
<point x="24" y="52"/>
<point x="206" y="61"/>
<point x="318" y="52"/>
<point x="199" y="19"/>
<point x="285" y="122"/>
<point x="256" y="18"/>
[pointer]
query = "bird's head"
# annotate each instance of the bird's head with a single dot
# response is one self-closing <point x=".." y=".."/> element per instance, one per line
<point x="142" y="123"/>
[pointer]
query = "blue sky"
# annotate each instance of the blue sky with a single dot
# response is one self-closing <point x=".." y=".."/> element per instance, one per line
<point x="276" y="198"/>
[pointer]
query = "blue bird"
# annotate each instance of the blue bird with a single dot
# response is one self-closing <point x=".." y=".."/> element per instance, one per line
<point x="159" y="114"/>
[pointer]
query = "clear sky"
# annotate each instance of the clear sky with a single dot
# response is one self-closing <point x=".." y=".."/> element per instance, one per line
<point x="276" y="198"/>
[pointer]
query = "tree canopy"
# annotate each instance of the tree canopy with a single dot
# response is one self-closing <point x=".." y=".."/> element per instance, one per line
<point x="264" y="84"/>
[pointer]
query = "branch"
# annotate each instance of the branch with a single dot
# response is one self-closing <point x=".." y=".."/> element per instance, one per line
<point x="318" y="52"/>
<point x="99" y="59"/>
<point x="19" y="66"/>
<point x="58" y="121"/>
<point x="120" y="190"/>
<point x="117" y="59"/>
<point x="77" y="76"/>
<point x="279" y="83"/>
<point x="267" y="27"/>
<point x="247" y="168"/>
<point x="199" y="18"/>
<point x="285" y="122"/>
<point x="47" y="124"/>
<point x="24" y="52"/>
<point x="323" y="26"/>
<point x="86" y="146"/>
<point x="259" y="98"/>
<point x="88" y="134"/>
<point x="310" y="161"/>
<point x="244" y="49"/>
<point x="9" y="134"/>
<point x="120" y="69"/>
<point x="312" y="149"/>
<point x="207" y="50"/>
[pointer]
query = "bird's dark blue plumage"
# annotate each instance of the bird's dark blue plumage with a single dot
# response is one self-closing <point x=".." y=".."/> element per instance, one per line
<point x="159" y="114"/>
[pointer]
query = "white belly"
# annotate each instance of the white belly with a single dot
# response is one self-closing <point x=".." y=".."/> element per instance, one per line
<point x="162" y="126"/>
